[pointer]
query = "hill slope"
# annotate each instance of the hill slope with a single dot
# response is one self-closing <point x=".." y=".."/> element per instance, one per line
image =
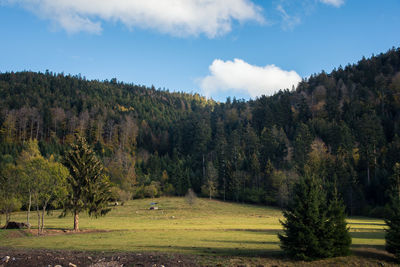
<point x="157" y="142"/>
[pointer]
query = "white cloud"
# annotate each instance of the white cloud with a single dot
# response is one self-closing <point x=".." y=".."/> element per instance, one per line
<point x="240" y="76"/>
<point x="176" y="17"/>
<point x="336" y="3"/>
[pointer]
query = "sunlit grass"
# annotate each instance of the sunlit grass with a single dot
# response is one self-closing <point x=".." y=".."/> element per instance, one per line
<point x="206" y="228"/>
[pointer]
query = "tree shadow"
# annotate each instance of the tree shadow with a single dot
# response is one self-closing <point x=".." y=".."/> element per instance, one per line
<point x="216" y="251"/>
<point x="368" y="235"/>
<point x="373" y="252"/>
<point x="243" y="242"/>
<point x="263" y="231"/>
<point x="366" y="223"/>
<point x="377" y="247"/>
<point x="367" y="229"/>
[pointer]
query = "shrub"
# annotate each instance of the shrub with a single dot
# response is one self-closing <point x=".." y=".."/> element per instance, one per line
<point x="190" y="197"/>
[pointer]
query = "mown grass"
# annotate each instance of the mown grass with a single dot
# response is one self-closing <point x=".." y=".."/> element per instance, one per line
<point x="206" y="228"/>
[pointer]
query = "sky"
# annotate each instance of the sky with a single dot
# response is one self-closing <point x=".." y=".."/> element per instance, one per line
<point x="217" y="48"/>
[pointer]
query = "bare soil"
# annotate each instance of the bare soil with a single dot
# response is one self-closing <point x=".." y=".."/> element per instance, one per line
<point x="45" y="258"/>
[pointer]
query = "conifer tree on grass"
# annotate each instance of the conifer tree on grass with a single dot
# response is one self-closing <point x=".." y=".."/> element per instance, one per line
<point x="341" y="239"/>
<point x="393" y="232"/>
<point x="313" y="229"/>
<point x="89" y="189"/>
<point x="393" y="219"/>
<point x="305" y="228"/>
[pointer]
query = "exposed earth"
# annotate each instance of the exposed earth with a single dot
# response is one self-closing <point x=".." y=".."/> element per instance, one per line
<point x="39" y="257"/>
<point x="47" y="258"/>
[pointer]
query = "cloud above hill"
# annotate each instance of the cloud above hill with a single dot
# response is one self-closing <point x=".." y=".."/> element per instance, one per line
<point x="175" y="17"/>
<point x="242" y="77"/>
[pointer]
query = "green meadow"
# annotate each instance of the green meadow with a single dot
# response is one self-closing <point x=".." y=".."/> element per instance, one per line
<point x="208" y="227"/>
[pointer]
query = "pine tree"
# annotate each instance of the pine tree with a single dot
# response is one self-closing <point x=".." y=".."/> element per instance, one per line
<point x="307" y="227"/>
<point x="341" y="239"/>
<point x="393" y="220"/>
<point x="89" y="188"/>
<point x="393" y="232"/>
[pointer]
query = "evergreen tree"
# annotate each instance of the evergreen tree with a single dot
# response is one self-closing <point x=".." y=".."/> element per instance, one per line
<point x="393" y="220"/>
<point x="306" y="229"/>
<point x="89" y="188"/>
<point x="339" y="231"/>
<point x="302" y="145"/>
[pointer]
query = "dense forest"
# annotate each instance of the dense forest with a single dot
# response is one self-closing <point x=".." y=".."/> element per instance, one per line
<point x="154" y="142"/>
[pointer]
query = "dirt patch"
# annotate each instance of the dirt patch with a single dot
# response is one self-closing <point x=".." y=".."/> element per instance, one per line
<point x="41" y="257"/>
<point x="64" y="232"/>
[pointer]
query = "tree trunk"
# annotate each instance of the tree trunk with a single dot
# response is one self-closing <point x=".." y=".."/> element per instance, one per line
<point x="38" y="217"/>
<point x="7" y="217"/>
<point x="37" y="129"/>
<point x="43" y="212"/>
<point x="224" y="188"/>
<point x="204" y="169"/>
<point x="31" y="136"/>
<point x="76" y="221"/>
<point x="368" y="176"/>
<point x="42" y="224"/>
<point x="28" y="212"/>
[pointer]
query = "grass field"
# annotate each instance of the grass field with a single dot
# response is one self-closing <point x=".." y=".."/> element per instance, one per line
<point x="206" y="228"/>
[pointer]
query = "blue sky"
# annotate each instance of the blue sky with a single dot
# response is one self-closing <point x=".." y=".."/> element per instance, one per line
<point x="219" y="48"/>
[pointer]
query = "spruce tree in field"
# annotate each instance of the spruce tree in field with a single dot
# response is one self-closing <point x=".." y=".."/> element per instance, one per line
<point x="88" y="187"/>
<point x="393" y="220"/>
<point x="306" y="228"/>
<point x="341" y="239"/>
<point x="315" y="225"/>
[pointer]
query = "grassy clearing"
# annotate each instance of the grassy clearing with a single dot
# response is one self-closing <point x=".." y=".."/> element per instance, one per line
<point x="207" y="228"/>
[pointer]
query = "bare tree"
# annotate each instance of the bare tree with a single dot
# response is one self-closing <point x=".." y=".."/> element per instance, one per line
<point x="129" y="131"/>
<point x="58" y="115"/>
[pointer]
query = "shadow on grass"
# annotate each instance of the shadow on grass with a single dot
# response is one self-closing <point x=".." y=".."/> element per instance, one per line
<point x="213" y="251"/>
<point x="262" y="231"/>
<point x="367" y="229"/>
<point x="368" y="235"/>
<point x="372" y="252"/>
<point x="362" y="251"/>
<point x="367" y="223"/>
<point x="378" y="247"/>
<point x="243" y="242"/>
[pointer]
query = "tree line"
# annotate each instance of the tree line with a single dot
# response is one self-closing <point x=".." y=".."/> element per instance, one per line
<point x="154" y="142"/>
<point x="344" y="126"/>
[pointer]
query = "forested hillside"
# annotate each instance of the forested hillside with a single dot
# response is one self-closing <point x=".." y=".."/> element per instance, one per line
<point x="345" y="124"/>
